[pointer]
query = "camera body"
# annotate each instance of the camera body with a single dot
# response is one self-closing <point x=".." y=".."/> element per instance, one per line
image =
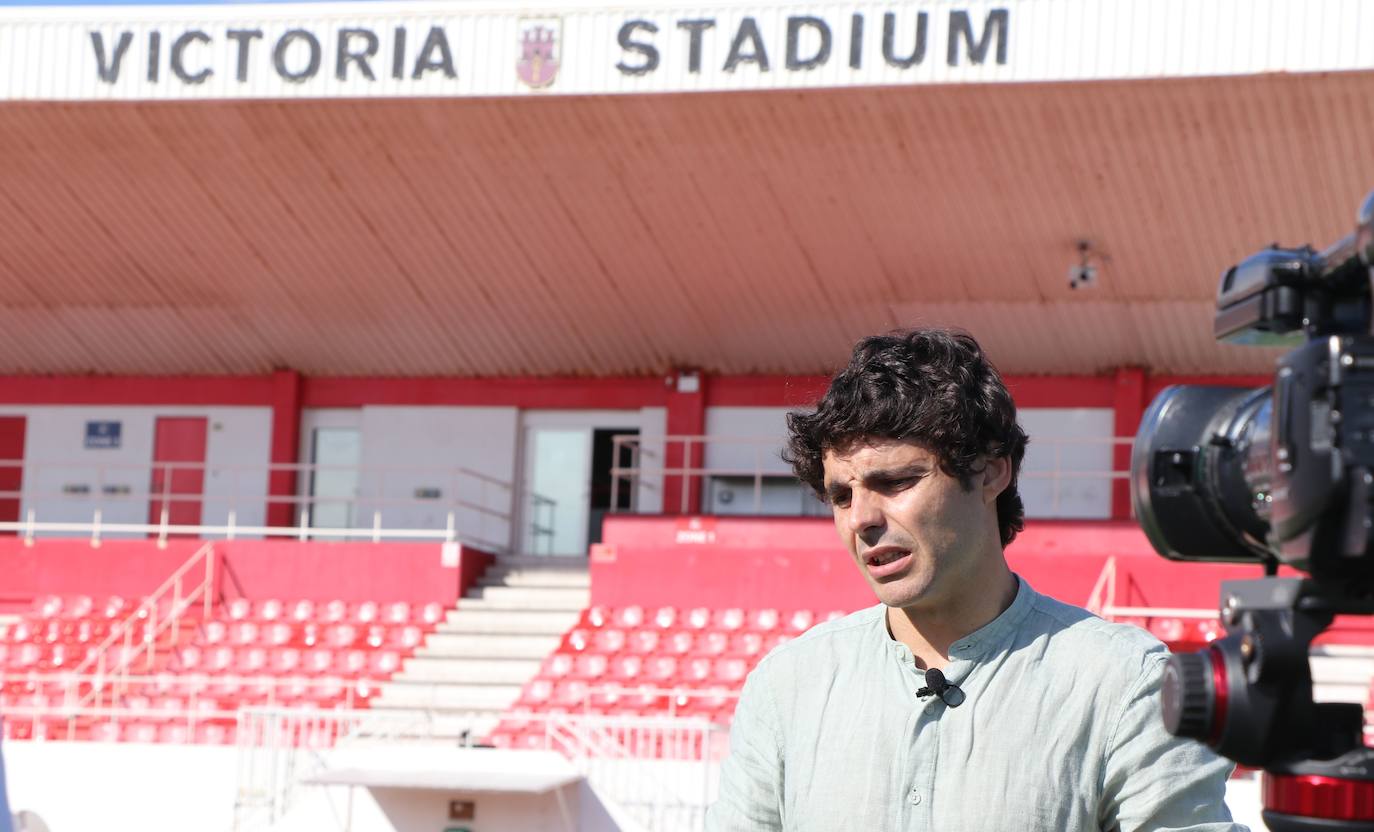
<point x="1280" y="475"/>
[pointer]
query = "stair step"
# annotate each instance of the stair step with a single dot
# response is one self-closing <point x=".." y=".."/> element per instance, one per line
<point x="473" y="697"/>
<point x="519" y="597"/>
<point x="538" y="562"/>
<point x="470" y="646"/>
<point x="507" y="621"/>
<point x="539" y="579"/>
<point x="487" y="671"/>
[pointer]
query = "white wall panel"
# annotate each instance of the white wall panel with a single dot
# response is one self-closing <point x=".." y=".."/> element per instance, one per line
<point x="406" y="449"/>
<point x="1073" y="442"/>
<point x="237" y="451"/>
<point x="51" y="53"/>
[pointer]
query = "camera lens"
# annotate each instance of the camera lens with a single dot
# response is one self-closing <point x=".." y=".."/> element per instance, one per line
<point x="1200" y="473"/>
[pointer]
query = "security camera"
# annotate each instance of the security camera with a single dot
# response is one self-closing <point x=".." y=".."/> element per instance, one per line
<point x="1081" y="276"/>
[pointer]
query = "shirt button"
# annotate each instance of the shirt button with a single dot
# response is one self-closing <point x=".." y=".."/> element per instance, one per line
<point x="915" y="798"/>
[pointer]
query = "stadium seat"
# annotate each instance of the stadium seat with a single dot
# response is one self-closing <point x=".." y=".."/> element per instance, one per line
<point x="366" y="612"/>
<point x="269" y="609"/>
<point x="395" y="614"/>
<point x="642" y="642"/>
<point x="239" y="609"/>
<point x="608" y="641"/>
<point x="301" y="611"/>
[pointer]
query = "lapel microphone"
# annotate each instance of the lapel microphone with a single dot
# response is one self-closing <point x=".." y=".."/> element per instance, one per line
<point x="936" y="685"/>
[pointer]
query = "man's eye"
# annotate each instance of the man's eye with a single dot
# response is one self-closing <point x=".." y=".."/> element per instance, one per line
<point x="840" y="500"/>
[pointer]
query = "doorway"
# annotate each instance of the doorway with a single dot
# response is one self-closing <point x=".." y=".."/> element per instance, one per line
<point x="178" y="480"/>
<point x="335" y="453"/>
<point x="567" y="477"/>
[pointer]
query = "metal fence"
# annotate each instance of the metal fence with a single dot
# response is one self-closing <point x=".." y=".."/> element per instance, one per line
<point x="658" y="773"/>
<point x="226" y="501"/>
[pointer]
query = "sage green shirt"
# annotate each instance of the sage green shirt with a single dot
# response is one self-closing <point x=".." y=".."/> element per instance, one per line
<point x="1060" y="731"/>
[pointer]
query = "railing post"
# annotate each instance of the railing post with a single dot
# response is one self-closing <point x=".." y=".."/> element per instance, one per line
<point x="162" y="528"/>
<point x="95" y="530"/>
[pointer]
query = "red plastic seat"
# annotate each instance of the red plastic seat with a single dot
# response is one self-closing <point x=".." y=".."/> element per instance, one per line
<point x="250" y="660"/>
<point x="800" y="621"/>
<point x="218" y="660"/>
<point x="697" y="619"/>
<point x="570" y="693"/>
<point x="242" y="633"/>
<point x="696" y="670"/>
<point x="340" y="636"/>
<point x="747" y="644"/>
<point x="679" y="643"/>
<point x="1208" y="630"/>
<point x="114" y="607"/>
<point x="626" y="668"/>
<point x="664" y="618"/>
<point x="384" y="663"/>
<point x="334" y="612"/>
<point x="431" y="613"/>
<point x="537" y="692"/>
<point x="78" y="606"/>
<point x="316" y="662"/>
<point x="711" y="643"/>
<point x="396" y="613"/>
<point x="661" y="668"/>
<point x="106" y="732"/>
<point x="47" y="606"/>
<point x="609" y="640"/>
<point x="597" y="616"/>
<point x="277" y="634"/>
<point x="301" y="611"/>
<point x="366" y="612"/>
<point x="405" y="638"/>
<point x="764" y="620"/>
<point x="145" y="732"/>
<point x="577" y="640"/>
<point x="728" y="620"/>
<point x="590" y="666"/>
<point x="269" y="609"/>
<point x="729" y="671"/>
<point x="284" y="660"/>
<point x="557" y="666"/>
<point x="350" y="664"/>
<point x="628" y="618"/>
<point x="375" y="635"/>
<point x="642" y="642"/>
<point x="239" y="609"/>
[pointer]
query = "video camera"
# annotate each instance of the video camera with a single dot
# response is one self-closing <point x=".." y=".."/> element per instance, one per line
<point x="1280" y="475"/>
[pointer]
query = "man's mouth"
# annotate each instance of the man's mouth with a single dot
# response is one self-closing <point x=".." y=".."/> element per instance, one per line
<point x="887" y="562"/>
<point x="885" y="557"/>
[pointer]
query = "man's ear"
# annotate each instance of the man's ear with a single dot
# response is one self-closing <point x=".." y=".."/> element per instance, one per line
<point x="996" y="477"/>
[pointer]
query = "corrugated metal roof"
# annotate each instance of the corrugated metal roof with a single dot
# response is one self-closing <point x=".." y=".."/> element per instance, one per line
<point x="739" y="233"/>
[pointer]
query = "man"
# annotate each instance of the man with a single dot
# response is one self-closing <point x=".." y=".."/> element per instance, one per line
<point x="1053" y="719"/>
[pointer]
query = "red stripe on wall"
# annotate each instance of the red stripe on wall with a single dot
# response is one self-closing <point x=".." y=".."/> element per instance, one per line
<point x="137" y="390"/>
<point x="551" y="393"/>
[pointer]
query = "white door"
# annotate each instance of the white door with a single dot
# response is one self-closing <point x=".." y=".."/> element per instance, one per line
<point x="557" y="449"/>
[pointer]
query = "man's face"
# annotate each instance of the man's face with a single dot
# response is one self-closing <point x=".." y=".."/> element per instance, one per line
<point x="917" y="535"/>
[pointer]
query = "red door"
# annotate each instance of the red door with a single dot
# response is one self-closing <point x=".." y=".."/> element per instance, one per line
<point x="11" y="466"/>
<point x="178" y="470"/>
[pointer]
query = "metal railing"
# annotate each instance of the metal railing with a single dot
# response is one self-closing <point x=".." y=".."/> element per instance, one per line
<point x="661" y="773"/>
<point x="648" y="469"/>
<point x="198" y="499"/>
<point x="159" y="615"/>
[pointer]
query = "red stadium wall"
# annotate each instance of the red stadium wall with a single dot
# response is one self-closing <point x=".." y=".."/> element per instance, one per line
<point x="798" y="564"/>
<point x="317" y="571"/>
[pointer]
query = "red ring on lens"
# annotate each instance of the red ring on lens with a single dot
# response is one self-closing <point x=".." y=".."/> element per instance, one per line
<point x="1315" y="796"/>
<point x="1220" y="695"/>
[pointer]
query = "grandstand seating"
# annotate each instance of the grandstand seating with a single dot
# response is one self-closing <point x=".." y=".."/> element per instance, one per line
<point x="629" y="661"/>
<point x="261" y="652"/>
<point x="622" y="661"/>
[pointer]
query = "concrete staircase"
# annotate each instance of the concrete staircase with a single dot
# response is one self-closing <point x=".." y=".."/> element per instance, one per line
<point x="472" y="668"/>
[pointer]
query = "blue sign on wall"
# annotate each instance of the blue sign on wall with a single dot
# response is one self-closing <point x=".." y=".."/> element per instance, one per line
<point x="103" y="434"/>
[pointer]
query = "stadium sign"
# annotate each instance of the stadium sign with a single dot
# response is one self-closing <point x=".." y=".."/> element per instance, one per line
<point x="427" y="49"/>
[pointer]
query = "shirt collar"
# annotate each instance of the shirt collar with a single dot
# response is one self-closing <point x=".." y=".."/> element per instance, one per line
<point x="979" y="642"/>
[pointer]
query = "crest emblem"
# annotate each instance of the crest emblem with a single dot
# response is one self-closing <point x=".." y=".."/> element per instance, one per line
<point x="540" y="51"/>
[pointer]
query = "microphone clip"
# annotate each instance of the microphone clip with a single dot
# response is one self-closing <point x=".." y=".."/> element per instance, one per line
<point x="937" y="685"/>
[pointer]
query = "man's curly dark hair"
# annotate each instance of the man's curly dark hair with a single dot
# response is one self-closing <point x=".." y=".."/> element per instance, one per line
<point x="931" y="386"/>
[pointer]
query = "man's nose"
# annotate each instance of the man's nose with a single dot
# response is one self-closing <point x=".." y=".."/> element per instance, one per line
<point x="865" y="514"/>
